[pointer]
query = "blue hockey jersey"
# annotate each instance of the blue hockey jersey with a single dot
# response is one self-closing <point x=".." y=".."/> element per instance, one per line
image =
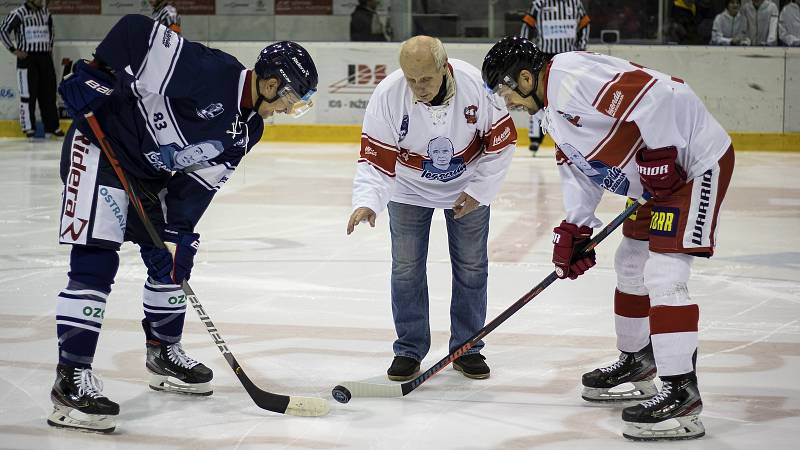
<point x="174" y="92"/>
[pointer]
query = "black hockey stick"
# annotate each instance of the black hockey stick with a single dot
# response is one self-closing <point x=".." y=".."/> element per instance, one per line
<point x="284" y="404"/>
<point x="348" y="389"/>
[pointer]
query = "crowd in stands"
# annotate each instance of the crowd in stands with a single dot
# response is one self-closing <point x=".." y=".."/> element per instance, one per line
<point x="735" y="22"/>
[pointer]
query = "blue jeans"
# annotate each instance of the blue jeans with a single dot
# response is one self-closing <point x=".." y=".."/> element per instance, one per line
<point x="467" y="238"/>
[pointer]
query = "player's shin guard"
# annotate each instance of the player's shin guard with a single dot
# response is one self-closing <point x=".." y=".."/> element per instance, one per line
<point x="81" y="305"/>
<point x="78" y="401"/>
<point x="164" y="310"/>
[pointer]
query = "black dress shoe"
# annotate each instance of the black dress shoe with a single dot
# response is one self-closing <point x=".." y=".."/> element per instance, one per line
<point x="472" y="366"/>
<point x="403" y="368"/>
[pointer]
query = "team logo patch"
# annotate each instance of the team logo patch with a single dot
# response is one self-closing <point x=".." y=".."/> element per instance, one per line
<point x="610" y="178"/>
<point x="664" y="221"/>
<point x="442" y="165"/>
<point x="471" y="114"/>
<point x="210" y="111"/>
<point x="403" y="128"/>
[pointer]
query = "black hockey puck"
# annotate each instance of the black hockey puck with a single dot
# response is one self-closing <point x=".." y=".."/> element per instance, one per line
<point x="341" y="394"/>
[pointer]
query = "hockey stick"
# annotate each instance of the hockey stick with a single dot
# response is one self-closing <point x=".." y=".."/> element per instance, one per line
<point x="284" y="404"/>
<point x="348" y="389"/>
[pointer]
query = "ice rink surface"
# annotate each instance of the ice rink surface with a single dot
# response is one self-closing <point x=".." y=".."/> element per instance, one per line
<point x="304" y="307"/>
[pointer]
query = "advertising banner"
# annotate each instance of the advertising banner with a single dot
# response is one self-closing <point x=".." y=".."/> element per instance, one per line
<point x="120" y="7"/>
<point x="73" y="6"/>
<point x="245" y="7"/>
<point x="303" y="7"/>
<point x="348" y="80"/>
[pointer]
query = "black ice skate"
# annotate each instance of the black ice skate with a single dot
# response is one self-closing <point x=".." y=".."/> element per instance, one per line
<point x="171" y="370"/>
<point x="673" y="414"/>
<point x="628" y="378"/>
<point x="78" y="401"/>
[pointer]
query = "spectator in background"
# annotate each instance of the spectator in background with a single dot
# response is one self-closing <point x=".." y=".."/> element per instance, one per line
<point x="32" y="27"/>
<point x="556" y="26"/>
<point x="789" y="24"/>
<point x="762" y="22"/>
<point x="730" y="27"/>
<point x="684" y="24"/>
<point x="365" y="25"/>
<point x="166" y="14"/>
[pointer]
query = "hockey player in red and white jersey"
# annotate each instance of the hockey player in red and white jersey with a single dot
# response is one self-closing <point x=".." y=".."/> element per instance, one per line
<point x="625" y="128"/>
<point x="433" y="138"/>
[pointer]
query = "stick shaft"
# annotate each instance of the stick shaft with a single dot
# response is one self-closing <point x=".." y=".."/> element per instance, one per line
<point x="265" y="400"/>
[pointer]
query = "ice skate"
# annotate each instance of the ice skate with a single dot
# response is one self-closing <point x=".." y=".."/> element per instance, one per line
<point x="78" y="402"/>
<point x="630" y="378"/>
<point x="673" y="414"/>
<point x="171" y="370"/>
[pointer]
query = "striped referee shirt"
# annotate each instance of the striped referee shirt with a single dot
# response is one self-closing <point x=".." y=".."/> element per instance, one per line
<point x="557" y="26"/>
<point x="31" y="27"/>
<point x="167" y="15"/>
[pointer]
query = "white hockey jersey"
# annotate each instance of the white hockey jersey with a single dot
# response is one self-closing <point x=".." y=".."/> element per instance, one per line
<point x="423" y="155"/>
<point x="601" y="110"/>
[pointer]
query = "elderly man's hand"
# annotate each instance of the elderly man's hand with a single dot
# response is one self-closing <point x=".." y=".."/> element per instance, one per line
<point x="464" y="205"/>
<point x="360" y="215"/>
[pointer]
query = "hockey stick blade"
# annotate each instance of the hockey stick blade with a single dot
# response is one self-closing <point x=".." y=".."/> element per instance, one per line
<point x="343" y="392"/>
<point x="283" y="404"/>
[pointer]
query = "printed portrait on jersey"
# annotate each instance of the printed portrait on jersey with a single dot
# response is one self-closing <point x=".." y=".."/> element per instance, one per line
<point x="442" y="164"/>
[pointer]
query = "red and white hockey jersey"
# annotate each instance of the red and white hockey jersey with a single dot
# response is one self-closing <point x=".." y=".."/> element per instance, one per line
<point x="601" y="110"/>
<point x="423" y="155"/>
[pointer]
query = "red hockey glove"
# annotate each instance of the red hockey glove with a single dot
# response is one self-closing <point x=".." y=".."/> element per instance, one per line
<point x="658" y="172"/>
<point x="568" y="239"/>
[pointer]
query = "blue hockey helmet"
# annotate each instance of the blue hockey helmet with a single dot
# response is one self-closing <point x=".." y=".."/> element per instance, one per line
<point x="292" y="66"/>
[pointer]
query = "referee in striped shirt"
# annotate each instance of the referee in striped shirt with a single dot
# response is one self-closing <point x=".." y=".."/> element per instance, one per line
<point x="32" y="28"/>
<point x="556" y="26"/>
<point x="166" y="14"/>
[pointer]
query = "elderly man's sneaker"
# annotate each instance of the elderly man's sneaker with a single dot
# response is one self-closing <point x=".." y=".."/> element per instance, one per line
<point x="472" y="366"/>
<point x="403" y="368"/>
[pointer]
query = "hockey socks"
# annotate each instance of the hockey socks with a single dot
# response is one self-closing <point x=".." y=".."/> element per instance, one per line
<point x="164" y="310"/>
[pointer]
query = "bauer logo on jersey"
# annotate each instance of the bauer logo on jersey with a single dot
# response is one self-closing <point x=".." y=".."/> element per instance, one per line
<point x="471" y="114"/>
<point x="442" y="165"/>
<point x="664" y="221"/>
<point x="210" y="111"/>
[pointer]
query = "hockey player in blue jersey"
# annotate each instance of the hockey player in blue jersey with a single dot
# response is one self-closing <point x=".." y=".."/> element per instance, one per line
<point x="180" y="117"/>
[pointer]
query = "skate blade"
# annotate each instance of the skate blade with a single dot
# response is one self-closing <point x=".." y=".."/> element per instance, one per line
<point x="625" y="392"/>
<point x="72" y="419"/>
<point x="679" y="428"/>
<point x="165" y="383"/>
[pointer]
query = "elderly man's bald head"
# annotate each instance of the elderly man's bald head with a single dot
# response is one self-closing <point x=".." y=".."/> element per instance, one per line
<point x="423" y="50"/>
<point x="424" y="64"/>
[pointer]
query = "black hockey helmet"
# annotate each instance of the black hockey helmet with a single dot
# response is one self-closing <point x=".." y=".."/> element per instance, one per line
<point x="292" y="66"/>
<point x="507" y="58"/>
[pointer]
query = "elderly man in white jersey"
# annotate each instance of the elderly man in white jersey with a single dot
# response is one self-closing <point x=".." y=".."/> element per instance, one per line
<point x="625" y="128"/>
<point x="433" y="138"/>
